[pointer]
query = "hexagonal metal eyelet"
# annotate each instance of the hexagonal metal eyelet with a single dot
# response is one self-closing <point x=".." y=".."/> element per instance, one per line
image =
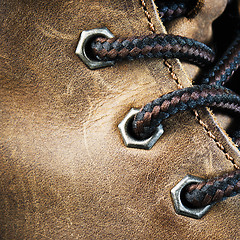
<point x="87" y="36"/>
<point x="182" y="209"/>
<point x="130" y="141"/>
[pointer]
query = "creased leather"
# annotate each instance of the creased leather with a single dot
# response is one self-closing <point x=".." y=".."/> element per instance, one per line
<point x="65" y="171"/>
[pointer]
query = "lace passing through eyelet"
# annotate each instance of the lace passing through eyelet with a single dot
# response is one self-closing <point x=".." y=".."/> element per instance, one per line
<point x="180" y="205"/>
<point x="85" y="38"/>
<point x="193" y="196"/>
<point x="99" y="48"/>
<point x="130" y="140"/>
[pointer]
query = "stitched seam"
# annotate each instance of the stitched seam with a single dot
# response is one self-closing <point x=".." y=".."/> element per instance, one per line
<point x="211" y="135"/>
<point x="197" y="8"/>
<point x="204" y="125"/>
<point x="173" y="75"/>
<point x="147" y="14"/>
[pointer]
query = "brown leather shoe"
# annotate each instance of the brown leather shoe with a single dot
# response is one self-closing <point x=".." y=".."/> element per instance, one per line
<point x="66" y="173"/>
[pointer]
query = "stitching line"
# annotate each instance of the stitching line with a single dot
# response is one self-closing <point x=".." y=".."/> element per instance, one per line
<point x="204" y="125"/>
<point x="147" y="14"/>
<point x="197" y="8"/>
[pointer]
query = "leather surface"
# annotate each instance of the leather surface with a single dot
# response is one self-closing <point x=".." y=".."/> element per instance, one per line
<point x="65" y="171"/>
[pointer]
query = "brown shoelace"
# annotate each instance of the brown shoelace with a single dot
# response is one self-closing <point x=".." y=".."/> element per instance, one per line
<point x="152" y="46"/>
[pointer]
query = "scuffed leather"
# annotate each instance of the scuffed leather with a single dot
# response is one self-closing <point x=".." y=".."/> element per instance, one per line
<point x="65" y="171"/>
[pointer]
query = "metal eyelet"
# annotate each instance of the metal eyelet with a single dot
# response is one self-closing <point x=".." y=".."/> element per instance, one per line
<point x="180" y="207"/>
<point x="132" y="142"/>
<point x="85" y="37"/>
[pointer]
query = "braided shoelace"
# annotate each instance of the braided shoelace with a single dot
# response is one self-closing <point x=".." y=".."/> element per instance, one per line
<point x="214" y="190"/>
<point x="226" y="66"/>
<point x="153" y="45"/>
<point x="211" y="92"/>
<point x="153" y="113"/>
<point x="171" y="10"/>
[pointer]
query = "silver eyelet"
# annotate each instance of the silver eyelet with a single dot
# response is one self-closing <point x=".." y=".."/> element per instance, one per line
<point x="85" y="37"/>
<point x="182" y="209"/>
<point x="130" y="141"/>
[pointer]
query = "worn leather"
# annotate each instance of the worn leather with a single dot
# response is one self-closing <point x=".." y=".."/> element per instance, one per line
<point x="65" y="171"/>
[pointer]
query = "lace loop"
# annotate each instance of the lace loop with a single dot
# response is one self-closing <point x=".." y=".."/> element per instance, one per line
<point x="153" y="113"/>
<point x="226" y="66"/>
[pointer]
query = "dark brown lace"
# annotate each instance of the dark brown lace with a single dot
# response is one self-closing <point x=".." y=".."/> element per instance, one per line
<point x="153" y="45"/>
<point x="213" y="190"/>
